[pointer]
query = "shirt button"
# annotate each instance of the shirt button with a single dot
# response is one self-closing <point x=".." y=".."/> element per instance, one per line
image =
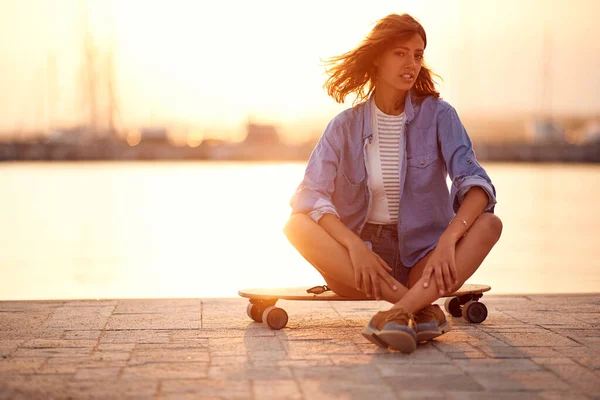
<point x="422" y="162"/>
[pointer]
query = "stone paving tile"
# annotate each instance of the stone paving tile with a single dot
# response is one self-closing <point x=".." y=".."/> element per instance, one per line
<point x="552" y="360"/>
<point x="549" y="319"/>
<point x="32" y="305"/>
<point x="60" y="366"/>
<point x="205" y="388"/>
<point x="90" y="303"/>
<point x="34" y="386"/>
<point x="423" y="394"/>
<point x="301" y="347"/>
<point x="266" y="355"/>
<point x="20" y="365"/>
<point x="81" y="335"/>
<point x="543" y="347"/>
<point x="110" y="356"/>
<point x="592" y="318"/>
<point x="565" y="395"/>
<point x="50" y="344"/>
<point x="158" y="306"/>
<point x="153" y="321"/>
<point x="501" y="351"/>
<point x="107" y="373"/>
<point x="442" y="382"/>
<point x="277" y="389"/>
<point x="7" y="347"/>
<point x="472" y="335"/>
<point x="191" y="370"/>
<point x="586" y="356"/>
<point x="308" y="361"/>
<point x="250" y="372"/>
<point x="345" y="389"/>
<point x="11" y="321"/>
<point x="529" y="339"/>
<point x="69" y="352"/>
<point x="228" y="360"/>
<point x="107" y="389"/>
<point x="545" y="352"/>
<point x="494" y="366"/>
<point x="136" y="336"/>
<point x="189" y="336"/>
<point x="465" y="395"/>
<point x="519" y="381"/>
<point x="466" y="355"/>
<point x="143" y="354"/>
<point x="352" y="373"/>
<point x="580" y="378"/>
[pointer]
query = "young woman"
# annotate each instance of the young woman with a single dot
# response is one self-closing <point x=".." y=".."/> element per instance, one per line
<point x="373" y="213"/>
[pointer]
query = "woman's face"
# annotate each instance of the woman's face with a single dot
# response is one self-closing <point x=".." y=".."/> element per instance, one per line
<point x="399" y="66"/>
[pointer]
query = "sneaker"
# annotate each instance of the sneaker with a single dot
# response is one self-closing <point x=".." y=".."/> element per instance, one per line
<point x="430" y="323"/>
<point x="392" y="328"/>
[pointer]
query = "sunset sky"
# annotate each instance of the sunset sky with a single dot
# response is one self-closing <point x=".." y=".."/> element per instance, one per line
<point x="217" y="64"/>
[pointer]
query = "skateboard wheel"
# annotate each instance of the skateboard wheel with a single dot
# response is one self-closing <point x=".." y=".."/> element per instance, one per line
<point x="474" y="311"/>
<point x="452" y="306"/>
<point x="275" y="317"/>
<point x="254" y="313"/>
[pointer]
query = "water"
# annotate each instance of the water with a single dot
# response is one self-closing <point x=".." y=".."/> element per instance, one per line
<point x="140" y="230"/>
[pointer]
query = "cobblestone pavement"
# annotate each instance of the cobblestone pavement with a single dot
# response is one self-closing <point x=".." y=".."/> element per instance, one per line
<point x="538" y="346"/>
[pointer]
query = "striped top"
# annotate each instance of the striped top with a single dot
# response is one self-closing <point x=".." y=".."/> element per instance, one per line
<point x="383" y="156"/>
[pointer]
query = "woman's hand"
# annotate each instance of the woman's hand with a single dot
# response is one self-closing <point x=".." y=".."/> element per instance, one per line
<point x="369" y="270"/>
<point x="442" y="266"/>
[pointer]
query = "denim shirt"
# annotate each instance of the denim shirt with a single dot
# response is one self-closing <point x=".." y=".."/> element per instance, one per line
<point x="435" y="145"/>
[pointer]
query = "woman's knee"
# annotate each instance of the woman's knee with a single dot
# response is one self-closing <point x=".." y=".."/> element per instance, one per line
<point x="492" y="226"/>
<point x="295" y="223"/>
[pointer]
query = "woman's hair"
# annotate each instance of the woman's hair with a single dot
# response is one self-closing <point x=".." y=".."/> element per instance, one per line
<point x="354" y="71"/>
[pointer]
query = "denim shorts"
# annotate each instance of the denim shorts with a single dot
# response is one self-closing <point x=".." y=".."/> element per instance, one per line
<point x="383" y="240"/>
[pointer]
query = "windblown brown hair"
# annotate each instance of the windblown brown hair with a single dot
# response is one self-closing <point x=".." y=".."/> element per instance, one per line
<point x="355" y="72"/>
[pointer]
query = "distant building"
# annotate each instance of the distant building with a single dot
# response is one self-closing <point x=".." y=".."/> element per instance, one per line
<point x="591" y="132"/>
<point x="264" y="135"/>
<point x="157" y="135"/>
<point x="68" y="136"/>
<point x="546" y="131"/>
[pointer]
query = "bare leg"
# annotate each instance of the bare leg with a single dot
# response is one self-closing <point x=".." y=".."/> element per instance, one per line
<point x="330" y="258"/>
<point x="470" y="253"/>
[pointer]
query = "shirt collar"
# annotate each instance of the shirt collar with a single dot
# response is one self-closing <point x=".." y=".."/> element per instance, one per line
<point x="369" y="109"/>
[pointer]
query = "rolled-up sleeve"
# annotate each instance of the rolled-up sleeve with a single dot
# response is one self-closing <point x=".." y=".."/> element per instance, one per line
<point x="461" y="163"/>
<point x="313" y="195"/>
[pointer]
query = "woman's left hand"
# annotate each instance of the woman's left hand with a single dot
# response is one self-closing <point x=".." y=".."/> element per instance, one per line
<point x="442" y="266"/>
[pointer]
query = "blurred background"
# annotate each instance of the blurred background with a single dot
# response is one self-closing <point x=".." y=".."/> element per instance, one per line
<point x="150" y="148"/>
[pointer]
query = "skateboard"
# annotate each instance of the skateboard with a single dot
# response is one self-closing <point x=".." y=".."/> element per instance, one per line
<point x="462" y="303"/>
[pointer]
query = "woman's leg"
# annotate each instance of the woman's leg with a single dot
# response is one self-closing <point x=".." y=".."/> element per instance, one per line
<point x="470" y="253"/>
<point x="330" y="258"/>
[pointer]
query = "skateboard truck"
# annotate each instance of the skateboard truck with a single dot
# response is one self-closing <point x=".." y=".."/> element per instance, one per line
<point x="318" y="289"/>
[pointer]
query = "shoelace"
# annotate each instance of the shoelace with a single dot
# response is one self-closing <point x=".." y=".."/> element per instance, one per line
<point x="398" y="314"/>
<point x="426" y="314"/>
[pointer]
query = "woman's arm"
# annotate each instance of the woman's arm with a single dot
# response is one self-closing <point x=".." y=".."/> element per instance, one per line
<point x="474" y="202"/>
<point x="461" y="163"/>
<point x="313" y="195"/>
<point x="442" y="263"/>
<point x="472" y="193"/>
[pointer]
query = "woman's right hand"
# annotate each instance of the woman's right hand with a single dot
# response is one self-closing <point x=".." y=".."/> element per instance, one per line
<point x="370" y="270"/>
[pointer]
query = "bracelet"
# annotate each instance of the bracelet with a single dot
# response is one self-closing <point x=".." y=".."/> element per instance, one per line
<point x="461" y="220"/>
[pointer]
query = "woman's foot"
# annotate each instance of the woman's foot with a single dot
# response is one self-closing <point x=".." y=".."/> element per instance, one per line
<point x="430" y="323"/>
<point x="392" y="328"/>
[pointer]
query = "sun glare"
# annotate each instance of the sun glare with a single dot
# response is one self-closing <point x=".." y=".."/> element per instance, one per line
<point x="219" y="64"/>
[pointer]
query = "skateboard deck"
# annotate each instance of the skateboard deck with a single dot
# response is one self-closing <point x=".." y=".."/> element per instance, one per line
<point x="462" y="303"/>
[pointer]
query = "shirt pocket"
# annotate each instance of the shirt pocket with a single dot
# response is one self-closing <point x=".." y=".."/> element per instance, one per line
<point x="422" y="171"/>
<point x="349" y="192"/>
